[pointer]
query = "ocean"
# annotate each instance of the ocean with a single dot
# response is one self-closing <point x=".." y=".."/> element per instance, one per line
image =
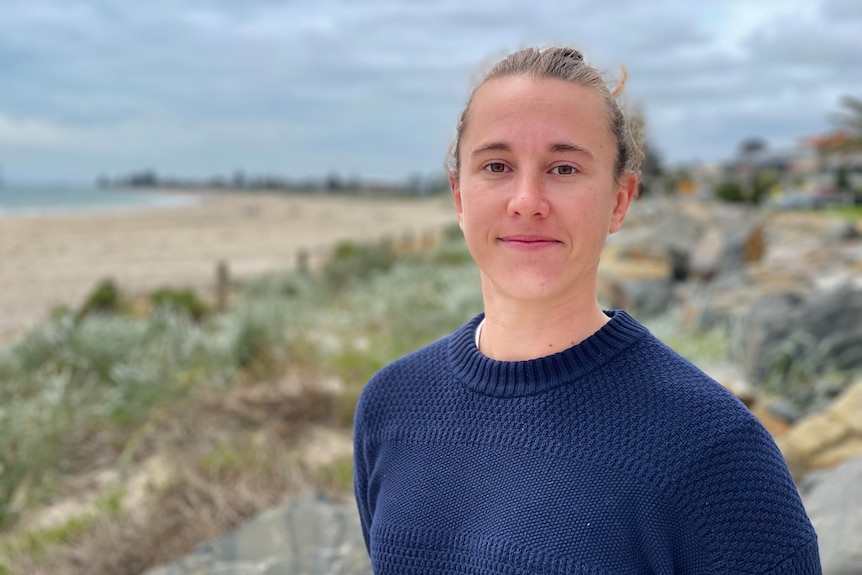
<point x="32" y="200"/>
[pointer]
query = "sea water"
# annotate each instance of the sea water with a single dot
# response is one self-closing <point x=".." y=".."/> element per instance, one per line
<point x="63" y="199"/>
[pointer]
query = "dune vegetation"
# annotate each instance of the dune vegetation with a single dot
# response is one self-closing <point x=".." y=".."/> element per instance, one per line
<point x="131" y="429"/>
<point x="134" y="428"/>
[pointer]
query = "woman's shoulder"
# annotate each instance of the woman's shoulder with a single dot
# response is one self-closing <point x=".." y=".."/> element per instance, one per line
<point x="416" y="368"/>
<point x="677" y="398"/>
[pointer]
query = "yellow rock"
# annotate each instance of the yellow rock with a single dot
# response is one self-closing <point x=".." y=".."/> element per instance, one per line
<point x="755" y="245"/>
<point x="844" y="451"/>
<point x="814" y="434"/>
<point x="848" y="407"/>
<point x="829" y="437"/>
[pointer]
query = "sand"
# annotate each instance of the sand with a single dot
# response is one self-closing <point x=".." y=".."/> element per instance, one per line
<point x="47" y="261"/>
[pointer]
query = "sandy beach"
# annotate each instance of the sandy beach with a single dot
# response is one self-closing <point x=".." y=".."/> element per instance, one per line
<point x="46" y="261"/>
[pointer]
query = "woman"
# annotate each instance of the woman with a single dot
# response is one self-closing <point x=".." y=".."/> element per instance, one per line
<point x="546" y="435"/>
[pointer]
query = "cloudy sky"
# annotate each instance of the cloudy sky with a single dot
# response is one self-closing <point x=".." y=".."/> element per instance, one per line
<point x="372" y="88"/>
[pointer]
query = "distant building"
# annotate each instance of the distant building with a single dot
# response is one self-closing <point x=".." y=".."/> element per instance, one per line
<point x="830" y="153"/>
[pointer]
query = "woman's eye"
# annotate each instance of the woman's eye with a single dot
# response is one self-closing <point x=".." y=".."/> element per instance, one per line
<point x="496" y="167"/>
<point x="565" y="170"/>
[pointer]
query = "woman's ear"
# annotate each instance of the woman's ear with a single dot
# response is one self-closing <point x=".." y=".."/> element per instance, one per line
<point x="624" y="192"/>
<point x="456" y="195"/>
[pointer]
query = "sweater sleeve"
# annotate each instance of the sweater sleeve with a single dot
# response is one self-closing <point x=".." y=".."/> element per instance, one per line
<point x="744" y="507"/>
<point x="360" y="473"/>
<point x="805" y="561"/>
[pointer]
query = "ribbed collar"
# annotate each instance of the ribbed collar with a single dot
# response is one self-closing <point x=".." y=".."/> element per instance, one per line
<point x="518" y="378"/>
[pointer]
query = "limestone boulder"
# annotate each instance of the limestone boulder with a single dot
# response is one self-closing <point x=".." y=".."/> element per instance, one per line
<point x="833" y="500"/>
<point x="828" y="437"/>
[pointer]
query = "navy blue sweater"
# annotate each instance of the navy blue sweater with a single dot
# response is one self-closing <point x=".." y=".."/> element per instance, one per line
<point x="614" y="456"/>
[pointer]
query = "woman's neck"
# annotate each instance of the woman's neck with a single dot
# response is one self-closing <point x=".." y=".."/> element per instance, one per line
<point x="516" y="331"/>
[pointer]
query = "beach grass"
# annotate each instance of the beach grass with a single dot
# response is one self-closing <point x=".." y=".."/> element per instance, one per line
<point x="81" y="389"/>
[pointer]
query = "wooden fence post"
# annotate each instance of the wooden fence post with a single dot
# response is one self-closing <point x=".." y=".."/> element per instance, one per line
<point x="302" y="260"/>
<point x="222" y="285"/>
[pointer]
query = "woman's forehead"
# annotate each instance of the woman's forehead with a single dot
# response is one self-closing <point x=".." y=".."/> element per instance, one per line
<point x="524" y="91"/>
<point x="546" y="112"/>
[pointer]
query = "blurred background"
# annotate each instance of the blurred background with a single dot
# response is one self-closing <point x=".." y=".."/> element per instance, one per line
<point x="372" y="89"/>
<point x="219" y="219"/>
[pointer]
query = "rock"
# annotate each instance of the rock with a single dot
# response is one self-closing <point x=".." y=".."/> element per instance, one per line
<point x="310" y="535"/>
<point x="717" y="303"/>
<point x="792" y="340"/>
<point x="752" y="243"/>
<point x="706" y="259"/>
<point x="763" y="327"/>
<point x="826" y="438"/>
<point x="783" y="409"/>
<point x="843" y="230"/>
<point x="776" y="425"/>
<point x="723" y="248"/>
<point x="735" y="293"/>
<point x="687" y="239"/>
<point x="640" y="297"/>
<point x="636" y="279"/>
<point x="833" y="500"/>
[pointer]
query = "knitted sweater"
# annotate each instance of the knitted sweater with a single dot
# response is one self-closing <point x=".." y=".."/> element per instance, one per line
<point x="614" y="456"/>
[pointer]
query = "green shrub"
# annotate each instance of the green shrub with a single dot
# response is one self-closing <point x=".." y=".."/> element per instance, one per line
<point x="230" y="457"/>
<point x="34" y="545"/>
<point x="258" y="335"/>
<point x="703" y="347"/>
<point x="729" y="191"/>
<point x="280" y="285"/>
<point x="356" y="366"/>
<point x="105" y="298"/>
<point x="452" y="251"/>
<point x="180" y="300"/>
<point x="842" y="178"/>
<point x="62" y="380"/>
<point x="753" y="190"/>
<point x="453" y="233"/>
<point x="337" y="475"/>
<point x="350" y="262"/>
<point x="764" y="182"/>
<point x="809" y="373"/>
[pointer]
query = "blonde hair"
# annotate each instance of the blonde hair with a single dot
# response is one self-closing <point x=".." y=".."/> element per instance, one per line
<point x="567" y="64"/>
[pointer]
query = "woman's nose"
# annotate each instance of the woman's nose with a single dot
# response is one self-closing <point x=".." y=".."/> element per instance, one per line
<point x="528" y="196"/>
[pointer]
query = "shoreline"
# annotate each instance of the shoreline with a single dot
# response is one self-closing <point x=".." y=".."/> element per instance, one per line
<point x="51" y="260"/>
<point x="114" y="200"/>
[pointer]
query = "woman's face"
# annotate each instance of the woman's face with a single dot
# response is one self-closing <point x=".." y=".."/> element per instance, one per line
<point x="536" y="195"/>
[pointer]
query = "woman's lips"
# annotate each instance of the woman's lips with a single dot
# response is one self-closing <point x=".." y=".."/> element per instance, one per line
<point x="528" y="242"/>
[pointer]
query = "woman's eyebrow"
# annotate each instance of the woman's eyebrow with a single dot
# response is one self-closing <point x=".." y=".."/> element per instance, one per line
<point x="566" y="147"/>
<point x="555" y="148"/>
<point x="491" y="147"/>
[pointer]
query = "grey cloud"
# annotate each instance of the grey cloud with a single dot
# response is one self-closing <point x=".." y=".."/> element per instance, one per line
<point x="375" y="86"/>
<point x="842" y="10"/>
